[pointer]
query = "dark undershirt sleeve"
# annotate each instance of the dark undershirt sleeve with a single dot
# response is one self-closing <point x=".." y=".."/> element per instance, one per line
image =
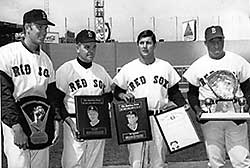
<point x="245" y="87"/>
<point x="193" y="96"/>
<point x="52" y="98"/>
<point x="10" y="113"/>
<point x="175" y="95"/>
<point x="117" y="91"/>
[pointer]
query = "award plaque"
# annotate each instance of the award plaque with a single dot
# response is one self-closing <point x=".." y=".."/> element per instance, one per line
<point x="37" y="121"/>
<point x="92" y="117"/>
<point x="226" y="105"/>
<point x="132" y="121"/>
<point x="177" y="129"/>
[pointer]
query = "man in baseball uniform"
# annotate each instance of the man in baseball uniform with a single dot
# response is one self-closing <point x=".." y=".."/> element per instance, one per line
<point x="81" y="76"/>
<point x="220" y="136"/>
<point x="156" y="80"/>
<point x="27" y="73"/>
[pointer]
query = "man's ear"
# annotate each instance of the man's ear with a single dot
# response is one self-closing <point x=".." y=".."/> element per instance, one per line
<point x="77" y="48"/>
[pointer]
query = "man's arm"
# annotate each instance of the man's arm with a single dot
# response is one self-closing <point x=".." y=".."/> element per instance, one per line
<point x="175" y="95"/>
<point x="52" y="96"/>
<point x="120" y="94"/>
<point x="193" y="98"/>
<point x="245" y="87"/>
<point x="10" y="111"/>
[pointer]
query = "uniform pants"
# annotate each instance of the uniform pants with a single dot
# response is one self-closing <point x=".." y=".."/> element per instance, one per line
<point x="151" y="153"/>
<point x="87" y="154"/>
<point x="19" y="158"/>
<point x="226" y="136"/>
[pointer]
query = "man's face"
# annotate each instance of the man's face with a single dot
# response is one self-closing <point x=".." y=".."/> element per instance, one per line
<point x="93" y="115"/>
<point x="146" y="47"/>
<point x="132" y="118"/>
<point x="215" y="47"/>
<point x="86" y="51"/>
<point x="36" y="33"/>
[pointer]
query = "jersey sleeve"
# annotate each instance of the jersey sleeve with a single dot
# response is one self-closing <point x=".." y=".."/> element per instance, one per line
<point x="5" y="56"/>
<point x="120" y="78"/>
<point x="61" y="77"/>
<point x="108" y="81"/>
<point x="245" y="70"/>
<point x="53" y="75"/>
<point x="191" y="75"/>
<point x="173" y="76"/>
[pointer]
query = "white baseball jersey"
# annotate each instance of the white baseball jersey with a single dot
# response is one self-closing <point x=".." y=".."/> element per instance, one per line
<point x="73" y="79"/>
<point x="30" y="72"/>
<point x="151" y="81"/>
<point x="205" y="65"/>
<point x="221" y="136"/>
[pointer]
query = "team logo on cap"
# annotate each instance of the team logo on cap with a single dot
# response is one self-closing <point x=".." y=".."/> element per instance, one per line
<point x="90" y="34"/>
<point x="44" y="15"/>
<point x="213" y="30"/>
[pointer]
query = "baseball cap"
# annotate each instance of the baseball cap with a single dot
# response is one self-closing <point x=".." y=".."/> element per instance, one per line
<point x="36" y="16"/>
<point x="92" y="108"/>
<point x="131" y="112"/>
<point x="213" y="32"/>
<point x="86" y="36"/>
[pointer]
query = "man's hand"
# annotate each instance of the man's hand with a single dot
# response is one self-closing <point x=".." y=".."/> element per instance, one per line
<point x="20" y="138"/>
<point x="74" y="130"/>
<point x="56" y="133"/>
<point x="127" y="97"/>
<point x="199" y="112"/>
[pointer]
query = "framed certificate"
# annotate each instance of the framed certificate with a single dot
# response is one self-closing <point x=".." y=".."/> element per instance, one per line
<point x="92" y="117"/>
<point x="225" y="116"/>
<point x="132" y="121"/>
<point x="177" y="129"/>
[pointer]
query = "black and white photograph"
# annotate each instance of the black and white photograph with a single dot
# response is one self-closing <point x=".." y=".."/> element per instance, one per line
<point x="172" y="52"/>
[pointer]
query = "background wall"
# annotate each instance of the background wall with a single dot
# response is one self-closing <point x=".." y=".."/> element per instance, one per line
<point x="114" y="55"/>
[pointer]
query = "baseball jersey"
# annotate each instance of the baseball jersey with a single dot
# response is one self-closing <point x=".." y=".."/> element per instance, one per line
<point x="30" y="72"/>
<point x="151" y="81"/>
<point x="73" y="80"/>
<point x="205" y="65"/>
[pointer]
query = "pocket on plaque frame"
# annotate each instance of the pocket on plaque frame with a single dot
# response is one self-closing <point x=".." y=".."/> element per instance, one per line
<point x="177" y="129"/>
<point x="132" y="121"/>
<point x="92" y="117"/>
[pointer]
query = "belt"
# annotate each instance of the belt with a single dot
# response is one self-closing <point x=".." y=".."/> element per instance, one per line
<point x="72" y="115"/>
<point x="153" y="112"/>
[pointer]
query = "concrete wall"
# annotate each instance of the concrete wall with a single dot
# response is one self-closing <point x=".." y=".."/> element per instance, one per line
<point x="113" y="55"/>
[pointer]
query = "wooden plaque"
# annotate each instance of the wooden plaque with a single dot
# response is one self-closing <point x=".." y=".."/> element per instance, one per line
<point x="132" y="121"/>
<point x="92" y="117"/>
<point x="177" y="129"/>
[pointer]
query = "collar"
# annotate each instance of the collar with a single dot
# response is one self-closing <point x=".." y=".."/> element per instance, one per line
<point x="86" y="65"/>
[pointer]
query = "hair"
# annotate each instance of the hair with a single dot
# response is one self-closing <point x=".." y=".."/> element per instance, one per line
<point x="146" y="33"/>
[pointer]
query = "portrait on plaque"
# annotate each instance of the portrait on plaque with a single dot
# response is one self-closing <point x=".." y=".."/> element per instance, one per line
<point x="132" y="121"/>
<point x="92" y="117"/>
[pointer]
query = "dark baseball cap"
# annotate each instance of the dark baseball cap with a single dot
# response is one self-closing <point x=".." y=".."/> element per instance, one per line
<point x="37" y="16"/>
<point x="92" y="108"/>
<point x="213" y="32"/>
<point x="86" y="36"/>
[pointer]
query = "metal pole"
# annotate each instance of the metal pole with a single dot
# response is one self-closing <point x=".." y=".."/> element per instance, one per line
<point x="153" y="23"/>
<point x="133" y="27"/>
<point x="176" y="28"/>
<point x="88" y="23"/>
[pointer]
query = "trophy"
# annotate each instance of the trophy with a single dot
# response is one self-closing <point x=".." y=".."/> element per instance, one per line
<point x="226" y="105"/>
